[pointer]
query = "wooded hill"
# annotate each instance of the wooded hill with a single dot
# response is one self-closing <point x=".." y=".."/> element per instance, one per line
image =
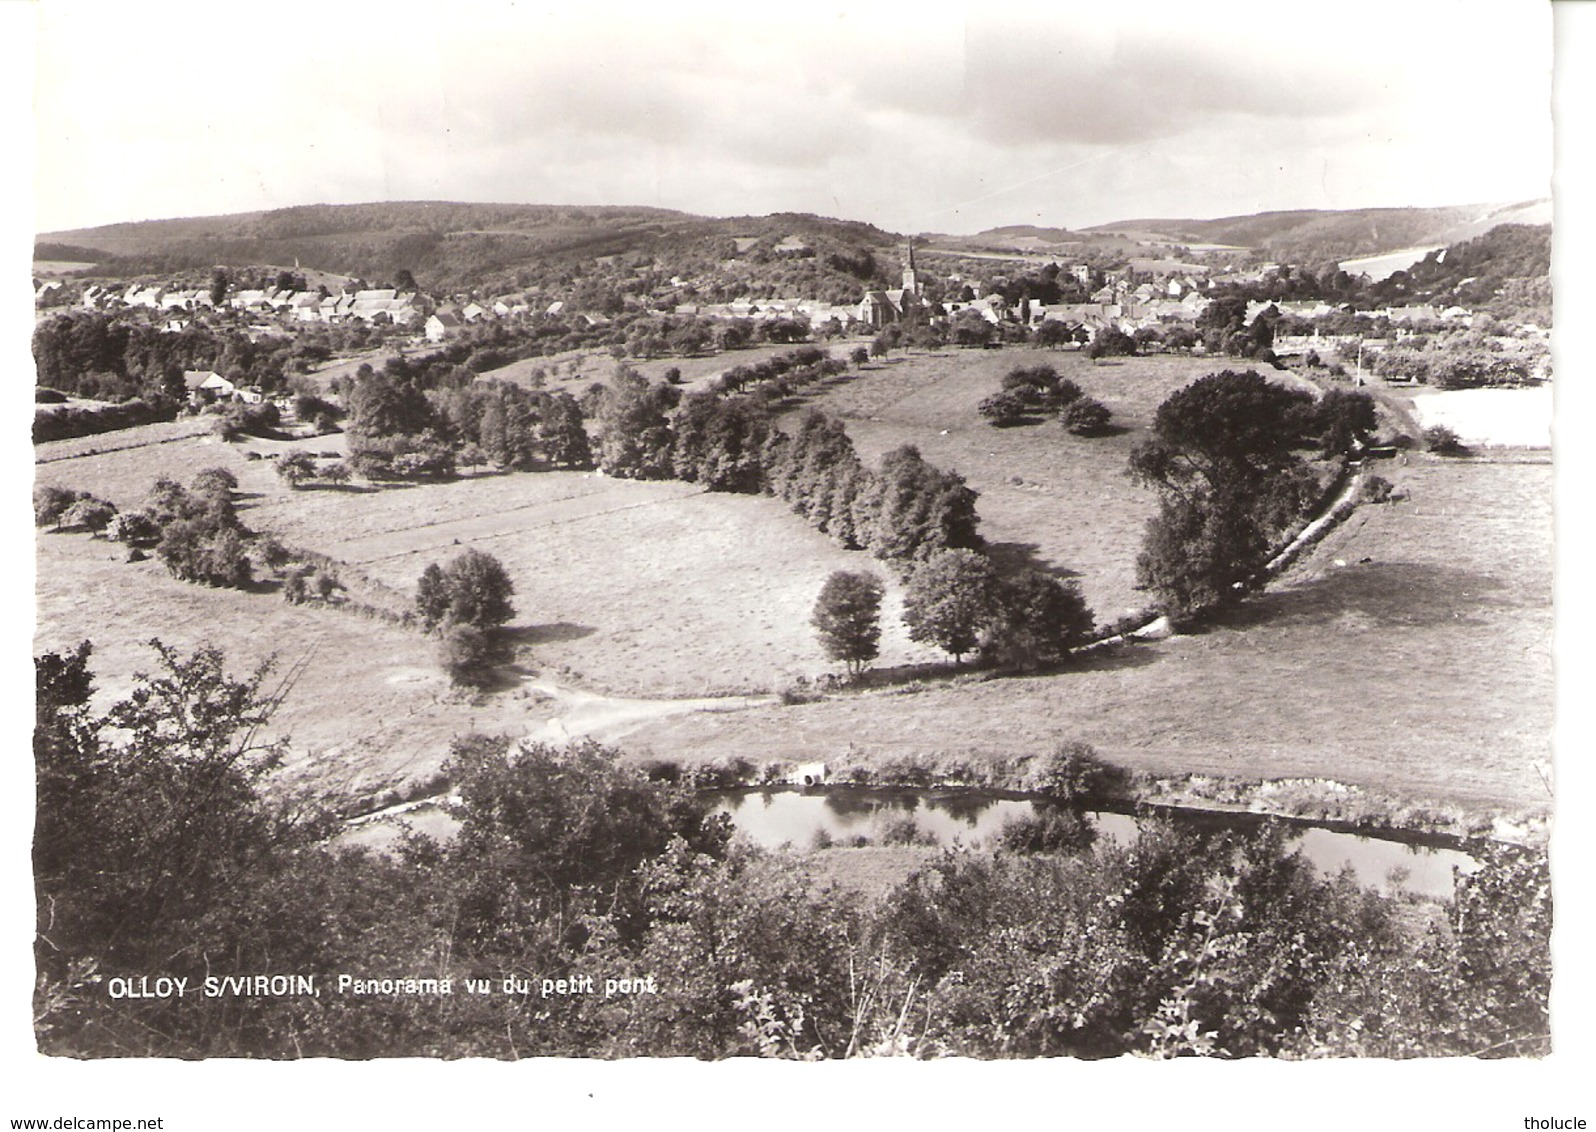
<point x="1317" y="238"/>
<point x="497" y="248"/>
<point x="450" y="246"/>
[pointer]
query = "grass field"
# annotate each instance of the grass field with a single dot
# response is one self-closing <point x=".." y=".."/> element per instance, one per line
<point x="637" y="588"/>
<point x="1046" y="496"/>
<point x="1423" y="671"/>
<point x="575" y="370"/>
<point x="370" y="709"/>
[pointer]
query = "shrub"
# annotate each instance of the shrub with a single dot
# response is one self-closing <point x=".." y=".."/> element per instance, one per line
<point x="905" y="831"/>
<point x="1004" y="409"/>
<point x="661" y="770"/>
<point x="1052" y="829"/>
<point x="296" y="590"/>
<point x="50" y="503"/>
<point x="1086" y="416"/>
<point x="1073" y="770"/>
<point x="215" y="482"/>
<point x="1376" y="489"/>
<point x="135" y="528"/>
<point x="1443" y="441"/>
<point x="87" y="514"/>
<point x="205" y="551"/>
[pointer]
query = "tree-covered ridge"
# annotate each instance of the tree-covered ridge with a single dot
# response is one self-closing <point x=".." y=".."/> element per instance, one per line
<point x="448" y="245"/>
<point x="1318" y="238"/>
<point x="1475" y="272"/>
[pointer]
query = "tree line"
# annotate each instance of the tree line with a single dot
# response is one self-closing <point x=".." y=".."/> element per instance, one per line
<point x="195" y="532"/>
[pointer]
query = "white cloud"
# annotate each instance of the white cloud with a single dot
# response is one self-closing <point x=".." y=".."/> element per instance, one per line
<point x="958" y="118"/>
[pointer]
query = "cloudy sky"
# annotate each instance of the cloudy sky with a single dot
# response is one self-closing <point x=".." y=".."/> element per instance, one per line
<point x="915" y="117"/>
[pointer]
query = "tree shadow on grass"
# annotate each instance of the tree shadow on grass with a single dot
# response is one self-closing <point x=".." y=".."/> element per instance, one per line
<point x="545" y="634"/>
<point x="356" y="488"/>
<point x="1015" y="557"/>
<point x="1102" y="433"/>
<point x="1385" y="595"/>
<point x="1111" y="658"/>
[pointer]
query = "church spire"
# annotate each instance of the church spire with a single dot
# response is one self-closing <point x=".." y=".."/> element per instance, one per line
<point x="910" y="282"/>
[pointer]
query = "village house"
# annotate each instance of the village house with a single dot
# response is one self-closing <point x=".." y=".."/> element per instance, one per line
<point x="207" y="385"/>
<point x="440" y="325"/>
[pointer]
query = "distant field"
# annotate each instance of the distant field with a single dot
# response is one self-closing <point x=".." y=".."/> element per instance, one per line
<point x="577" y="369"/>
<point x="53" y="267"/>
<point x="1425" y="671"/>
<point x="149" y="448"/>
<point x="1518" y="418"/>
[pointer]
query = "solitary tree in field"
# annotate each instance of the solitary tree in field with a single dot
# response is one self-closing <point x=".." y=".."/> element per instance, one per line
<point x="296" y="467"/>
<point x="1086" y="416"/>
<point x="479" y="590"/>
<point x="950" y="600"/>
<point x="474" y="589"/>
<point x="847" y="618"/>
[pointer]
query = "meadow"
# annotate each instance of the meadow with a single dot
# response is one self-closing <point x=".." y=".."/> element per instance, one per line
<point x="1409" y="653"/>
<point x="1046" y="497"/>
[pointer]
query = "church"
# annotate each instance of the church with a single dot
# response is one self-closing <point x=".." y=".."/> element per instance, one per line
<point x="880" y="308"/>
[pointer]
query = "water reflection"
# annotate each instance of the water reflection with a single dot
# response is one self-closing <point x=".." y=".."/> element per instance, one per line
<point x="843" y="817"/>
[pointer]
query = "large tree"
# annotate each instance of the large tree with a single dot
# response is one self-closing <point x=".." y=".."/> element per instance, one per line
<point x="847" y="618"/>
<point x="635" y="440"/>
<point x="1037" y="620"/>
<point x="1222" y="455"/>
<point x="478" y="589"/>
<point x="950" y="601"/>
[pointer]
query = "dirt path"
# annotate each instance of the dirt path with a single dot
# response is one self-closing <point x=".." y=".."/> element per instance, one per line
<point x="580" y="715"/>
<point x="588" y="715"/>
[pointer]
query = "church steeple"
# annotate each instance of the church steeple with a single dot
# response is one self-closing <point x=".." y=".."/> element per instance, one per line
<point x="910" y="284"/>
